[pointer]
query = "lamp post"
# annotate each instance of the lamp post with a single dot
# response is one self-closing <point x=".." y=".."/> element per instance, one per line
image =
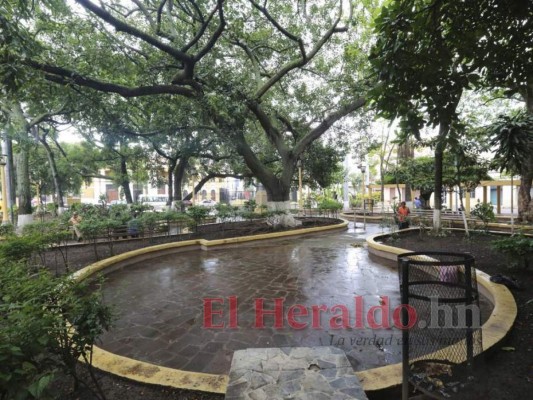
<point x="300" y="192"/>
<point x="5" y="215"/>
<point x="362" y="167"/>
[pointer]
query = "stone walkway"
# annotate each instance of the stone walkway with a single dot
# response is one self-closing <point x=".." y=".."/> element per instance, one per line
<point x="316" y="373"/>
<point x="160" y="303"/>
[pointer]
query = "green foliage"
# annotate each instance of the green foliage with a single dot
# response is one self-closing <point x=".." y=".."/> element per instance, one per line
<point x="519" y="249"/>
<point x="250" y="205"/>
<point x="329" y="206"/>
<point x="92" y="227"/>
<point x="173" y="216"/>
<point x="308" y="202"/>
<point x="322" y="164"/>
<point x="357" y="200"/>
<point x="484" y="212"/>
<point x="53" y="232"/>
<point x="420" y="173"/>
<point x="21" y="248"/>
<point x="512" y="135"/>
<point x="120" y="212"/>
<point x="224" y="211"/>
<point x="198" y="214"/>
<point x="139" y="208"/>
<point x="7" y="230"/>
<point x="46" y="324"/>
<point x="250" y="215"/>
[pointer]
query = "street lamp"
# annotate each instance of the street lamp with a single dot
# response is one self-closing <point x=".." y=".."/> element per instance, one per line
<point x="5" y="215"/>
<point x="362" y="167"/>
<point x="300" y="196"/>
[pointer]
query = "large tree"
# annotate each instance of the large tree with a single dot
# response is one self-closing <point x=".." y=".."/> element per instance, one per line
<point x="281" y="70"/>
<point x="500" y="47"/>
<point x="423" y="46"/>
<point x="422" y="75"/>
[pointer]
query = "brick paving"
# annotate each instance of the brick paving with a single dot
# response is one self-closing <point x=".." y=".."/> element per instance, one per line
<point x="159" y="304"/>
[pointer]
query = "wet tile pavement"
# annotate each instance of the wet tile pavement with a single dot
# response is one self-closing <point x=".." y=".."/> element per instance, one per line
<point x="160" y="304"/>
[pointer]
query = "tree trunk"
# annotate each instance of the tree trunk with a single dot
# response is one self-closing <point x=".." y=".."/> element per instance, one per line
<point x="278" y="188"/>
<point x="406" y="152"/>
<point x="125" y="180"/>
<point x="179" y="173"/>
<point x="23" y="186"/>
<point x="277" y="191"/>
<point x="55" y="174"/>
<point x="170" y="181"/>
<point x="425" y="196"/>
<point x="7" y="149"/>
<point x="439" y="156"/>
<point x="525" y="205"/>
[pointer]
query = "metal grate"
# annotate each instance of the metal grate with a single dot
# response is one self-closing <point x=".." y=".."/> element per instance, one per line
<point x="445" y="335"/>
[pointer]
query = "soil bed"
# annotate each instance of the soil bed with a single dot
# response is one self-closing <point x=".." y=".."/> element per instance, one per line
<point x="506" y="373"/>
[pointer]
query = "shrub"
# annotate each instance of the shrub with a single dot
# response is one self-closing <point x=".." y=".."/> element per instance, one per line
<point x="484" y="212"/>
<point x="21" y="248"/>
<point x="46" y="324"/>
<point x="120" y="212"/>
<point x="140" y="208"/>
<point x="250" y="215"/>
<point x="224" y="211"/>
<point x="50" y="233"/>
<point x="7" y="230"/>
<point x="250" y="205"/>
<point x="518" y="248"/>
<point x="330" y="206"/>
<point x="198" y="214"/>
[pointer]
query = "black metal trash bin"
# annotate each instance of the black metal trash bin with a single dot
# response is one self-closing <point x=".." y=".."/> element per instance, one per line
<point x="445" y="337"/>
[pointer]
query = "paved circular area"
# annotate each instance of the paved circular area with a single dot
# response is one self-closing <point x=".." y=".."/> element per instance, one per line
<point x="160" y="303"/>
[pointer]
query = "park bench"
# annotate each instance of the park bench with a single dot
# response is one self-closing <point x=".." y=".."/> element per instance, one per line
<point x="451" y="218"/>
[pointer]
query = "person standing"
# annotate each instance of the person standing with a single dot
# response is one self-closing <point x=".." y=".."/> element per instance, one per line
<point x="402" y="214"/>
<point x="75" y="220"/>
<point x="418" y="203"/>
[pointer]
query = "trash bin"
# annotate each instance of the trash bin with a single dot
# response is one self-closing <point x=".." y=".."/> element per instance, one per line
<point x="444" y="336"/>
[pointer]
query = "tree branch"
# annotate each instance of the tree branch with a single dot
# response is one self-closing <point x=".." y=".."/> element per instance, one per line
<point x="126" y="28"/>
<point x="291" y="65"/>
<point x="209" y="176"/>
<point x="271" y="131"/>
<point x="64" y="76"/>
<point x="200" y="32"/>
<point x="325" y="125"/>
<point x="276" y="24"/>
<point x="218" y="32"/>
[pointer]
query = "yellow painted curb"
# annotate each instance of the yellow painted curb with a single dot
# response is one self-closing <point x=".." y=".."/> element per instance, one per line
<point x="494" y="329"/>
<point x="144" y="372"/>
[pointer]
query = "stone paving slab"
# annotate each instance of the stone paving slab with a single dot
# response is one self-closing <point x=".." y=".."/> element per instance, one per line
<point x="304" y="373"/>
